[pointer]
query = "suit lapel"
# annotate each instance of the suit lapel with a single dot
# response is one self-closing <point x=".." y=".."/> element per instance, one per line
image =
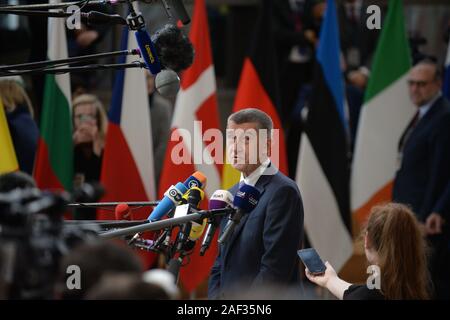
<point x="261" y="187"/>
<point x="425" y="120"/>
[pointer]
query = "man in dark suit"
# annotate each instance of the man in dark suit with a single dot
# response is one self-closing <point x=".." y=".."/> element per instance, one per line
<point x="262" y="251"/>
<point x="423" y="177"/>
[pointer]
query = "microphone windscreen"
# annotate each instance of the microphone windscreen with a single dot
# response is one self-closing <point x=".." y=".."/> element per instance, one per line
<point x="197" y="179"/>
<point x="173" y="48"/>
<point x="166" y="204"/>
<point x="122" y="211"/>
<point x="220" y="199"/>
<point x="197" y="230"/>
<point x="167" y="83"/>
<point x="246" y="198"/>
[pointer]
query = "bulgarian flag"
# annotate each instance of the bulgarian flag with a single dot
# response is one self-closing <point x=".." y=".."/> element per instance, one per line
<point x="386" y="112"/>
<point x="54" y="158"/>
<point x="8" y="159"/>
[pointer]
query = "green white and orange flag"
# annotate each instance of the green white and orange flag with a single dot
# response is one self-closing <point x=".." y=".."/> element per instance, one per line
<point x="8" y="159"/>
<point x="386" y="112"/>
<point x="54" y="159"/>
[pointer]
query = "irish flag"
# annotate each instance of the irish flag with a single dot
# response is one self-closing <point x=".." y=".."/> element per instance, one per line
<point x="386" y="112"/>
<point x="54" y="157"/>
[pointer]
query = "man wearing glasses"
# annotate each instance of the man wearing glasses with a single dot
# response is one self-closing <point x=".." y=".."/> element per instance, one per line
<point x="423" y="177"/>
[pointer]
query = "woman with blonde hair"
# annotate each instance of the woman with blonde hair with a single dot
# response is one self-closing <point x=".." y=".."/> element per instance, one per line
<point x="19" y="114"/>
<point x="89" y="131"/>
<point x="392" y="241"/>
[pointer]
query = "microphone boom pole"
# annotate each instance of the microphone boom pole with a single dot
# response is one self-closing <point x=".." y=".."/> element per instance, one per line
<point x="113" y="204"/>
<point x="46" y="63"/>
<point x="115" y="66"/>
<point x="158" y="225"/>
<point x="49" y="6"/>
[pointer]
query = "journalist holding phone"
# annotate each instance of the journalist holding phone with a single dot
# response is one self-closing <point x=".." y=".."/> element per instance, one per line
<point x="393" y="242"/>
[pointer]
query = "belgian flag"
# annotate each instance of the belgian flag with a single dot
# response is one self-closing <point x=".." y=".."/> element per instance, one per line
<point x="259" y="88"/>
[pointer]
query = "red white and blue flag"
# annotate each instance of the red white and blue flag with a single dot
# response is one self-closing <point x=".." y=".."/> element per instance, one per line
<point x="127" y="168"/>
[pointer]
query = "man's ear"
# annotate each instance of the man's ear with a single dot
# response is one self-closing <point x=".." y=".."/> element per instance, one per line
<point x="269" y="147"/>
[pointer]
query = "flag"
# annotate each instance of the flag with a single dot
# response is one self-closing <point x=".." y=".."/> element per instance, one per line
<point x="53" y="167"/>
<point x="127" y="167"/>
<point x="386" y="111"/>
<point x="258" y="88"/>
<point x="446" y="83"/>
<point x="8" y="159"/>
<point x="323" y="168"/>
<point x="195" y="112"/>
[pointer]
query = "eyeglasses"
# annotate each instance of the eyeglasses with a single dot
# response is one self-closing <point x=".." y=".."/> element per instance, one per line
<point x="420" y="84"/>
<point x="85" y="117"/>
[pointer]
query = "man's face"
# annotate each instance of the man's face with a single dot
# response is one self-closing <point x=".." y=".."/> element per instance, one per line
<point x="423" y="85"/>
<point x="247" y="147"/>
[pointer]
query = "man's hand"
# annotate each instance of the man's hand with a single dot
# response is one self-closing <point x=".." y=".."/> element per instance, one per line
<point x="434" y="224"/>
<point x="357" y="78"/>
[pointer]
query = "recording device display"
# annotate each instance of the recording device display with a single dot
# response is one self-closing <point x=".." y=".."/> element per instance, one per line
<point x="312" y="261"/>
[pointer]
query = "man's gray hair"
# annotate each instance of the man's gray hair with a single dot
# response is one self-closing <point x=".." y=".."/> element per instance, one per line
<point x="432" y="63"/>
<point x="252" y="115"/>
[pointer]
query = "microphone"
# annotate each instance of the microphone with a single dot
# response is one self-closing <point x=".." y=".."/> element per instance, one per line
<point x="122" y="211"/>
<point x="173" y="47"/>
<point x="148" y="53"/>
<point x="220" y="199"/>
<point x="174" y="195"/>
<point x="197" y="179"/>
<point x="245" y="200"/>
<point x="167" y="83"/>
<point x="95" y="17"/>
<point x="190" y="231"/>
<point x="172" y="198"/>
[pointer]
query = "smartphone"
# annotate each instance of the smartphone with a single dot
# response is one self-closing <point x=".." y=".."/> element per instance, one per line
<point x="312" y="261"/>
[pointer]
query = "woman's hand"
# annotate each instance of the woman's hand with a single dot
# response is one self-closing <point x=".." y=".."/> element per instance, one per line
<point x="86" y="132"/>
<point x="324" y="279"/>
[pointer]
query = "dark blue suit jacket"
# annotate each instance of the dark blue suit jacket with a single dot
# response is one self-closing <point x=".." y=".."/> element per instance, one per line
<point x="263" y="247"/>
<point x="423" y="181"/>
